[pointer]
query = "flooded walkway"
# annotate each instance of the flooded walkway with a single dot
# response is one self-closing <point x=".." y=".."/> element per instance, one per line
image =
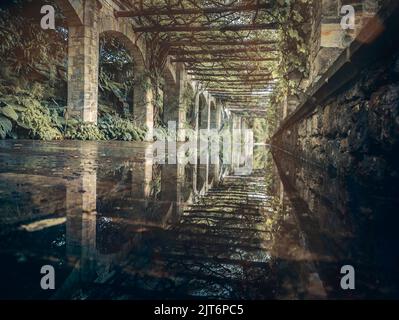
<point x="115" y="225"/>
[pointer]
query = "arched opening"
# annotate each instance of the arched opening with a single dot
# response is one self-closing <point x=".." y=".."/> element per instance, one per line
<point x="116" y="76"/>
<point x="120" y="96"/>
<point x="170" y="97"/>
<point x="189" y="105"/>
<point x="213" y="120"/>
<point x="203" y="112"/>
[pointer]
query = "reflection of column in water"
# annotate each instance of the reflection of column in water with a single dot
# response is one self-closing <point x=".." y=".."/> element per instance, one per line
<point x="246" y="155"/>
<point x="172" y="180"/>
<point x="81" y="206"/>
<point x="195" y="138"/>
<point x="142" y="176"/>
<point x="203" y="166"/>
<point x="236" y="147"/>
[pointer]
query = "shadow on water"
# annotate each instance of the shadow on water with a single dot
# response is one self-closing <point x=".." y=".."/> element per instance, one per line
<point x="114" y="224"/>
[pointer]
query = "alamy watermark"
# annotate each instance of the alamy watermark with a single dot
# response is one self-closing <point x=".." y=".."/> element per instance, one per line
<point x="229" y="146"/>
<point x="348" y="280"/>
<point x="47" y="282"/>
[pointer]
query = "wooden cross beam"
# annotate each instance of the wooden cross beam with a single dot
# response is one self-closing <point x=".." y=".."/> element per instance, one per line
<point x="156" y="11"/>
<point x="182" y="52"/>
<point x="231" y="27"/>
<point x="213" y="43"/>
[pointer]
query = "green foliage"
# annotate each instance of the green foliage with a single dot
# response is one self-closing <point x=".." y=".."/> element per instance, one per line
<point x="295" y="16"/>
<point x="5" y="127"/>
<point x="117" y="128"/>
<point x="116" y="75"/>
<point x="37" y="119"/>
<point x="260" y="130"/>
<point x="78" y="130"/>
<point x="28" y="116"/>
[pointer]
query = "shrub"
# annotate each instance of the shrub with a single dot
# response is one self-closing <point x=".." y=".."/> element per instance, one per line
<point x="78" y="130"/>
<point x="114" y="127"/>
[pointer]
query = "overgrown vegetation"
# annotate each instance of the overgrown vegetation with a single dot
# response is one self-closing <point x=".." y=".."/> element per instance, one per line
<point x="33" y="88"/>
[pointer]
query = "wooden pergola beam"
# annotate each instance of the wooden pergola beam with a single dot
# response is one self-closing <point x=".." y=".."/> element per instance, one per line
<point x="182" y="52"/>
<point x="232" y="27"/>
<point x="156" y="11"/>
<point x="213" y="43"/>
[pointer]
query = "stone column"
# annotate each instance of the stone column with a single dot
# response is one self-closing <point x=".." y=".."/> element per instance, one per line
<point x="83" y="56"/>
<point x="174" y="107"/>
<point x="143" y="108"/>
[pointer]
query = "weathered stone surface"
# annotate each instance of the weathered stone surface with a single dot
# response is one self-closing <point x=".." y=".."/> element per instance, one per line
<point x="356" y="131"/>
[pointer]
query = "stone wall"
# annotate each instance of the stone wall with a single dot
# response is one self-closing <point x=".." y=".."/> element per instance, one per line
<point x="355" y="130"/>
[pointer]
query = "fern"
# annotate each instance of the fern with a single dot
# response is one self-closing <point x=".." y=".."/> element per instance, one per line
<point x="5" y="127"/>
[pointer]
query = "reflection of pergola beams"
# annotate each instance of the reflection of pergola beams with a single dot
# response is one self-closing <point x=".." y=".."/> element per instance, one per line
<point x="230" y="74"/>
<point x="233" y="87"/>
<point x="226" y="92"/>
<point x="223" y="59"/>
<point x="262" y="87"/>
<point x="249" y="108"/>
<point x="224" y="68"/>
<point x="258" y="104"/>
<point x="157" y="11"/>
<point x="182" y="52"/>
<point x="240" y="81"/>
<point x="207" y="28"/>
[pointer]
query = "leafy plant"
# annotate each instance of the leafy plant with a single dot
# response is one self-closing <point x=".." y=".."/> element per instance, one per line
<point x="5" y="127"/>
<point x="37" y="119"/>
<point x="79" y="130"/>
<point x="114" y="127"/>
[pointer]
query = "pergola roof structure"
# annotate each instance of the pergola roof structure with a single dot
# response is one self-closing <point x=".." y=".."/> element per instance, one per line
<point x="230" y="47"/>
